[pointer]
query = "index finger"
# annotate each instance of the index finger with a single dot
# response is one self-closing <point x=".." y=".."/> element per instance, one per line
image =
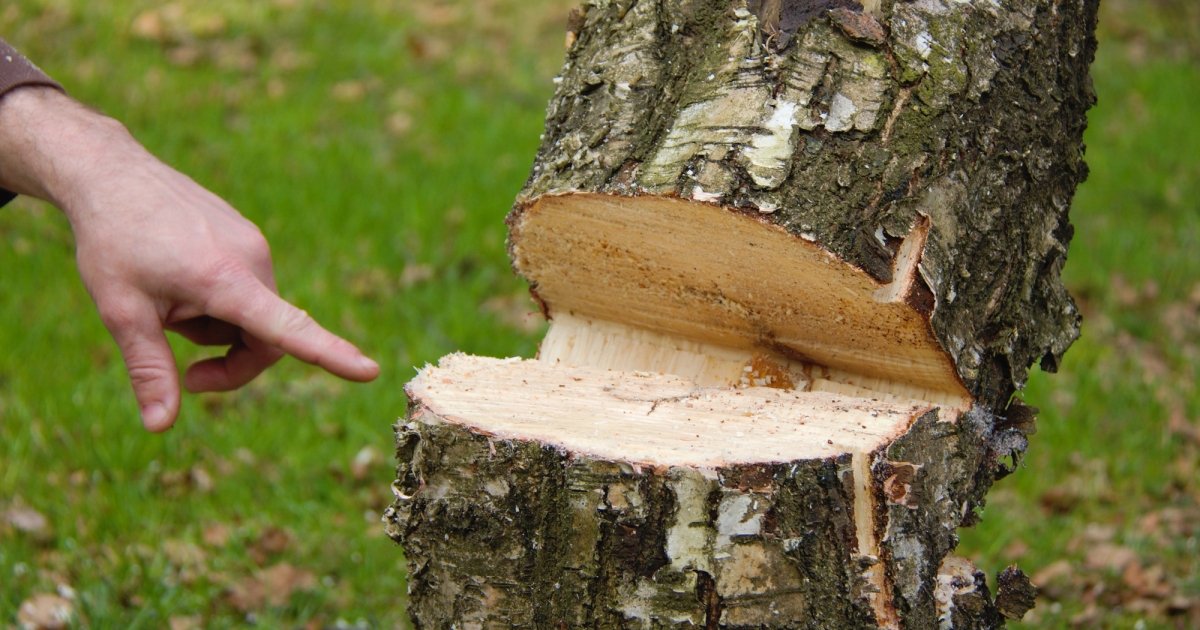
<point x="250" y="305"/>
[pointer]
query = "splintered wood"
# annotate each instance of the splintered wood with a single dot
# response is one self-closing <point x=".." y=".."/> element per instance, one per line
<point x="652" y="419"/>
<point x="726" y="286"/>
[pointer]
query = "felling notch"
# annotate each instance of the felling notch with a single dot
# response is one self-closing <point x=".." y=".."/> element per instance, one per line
<point x="796" y="260"/>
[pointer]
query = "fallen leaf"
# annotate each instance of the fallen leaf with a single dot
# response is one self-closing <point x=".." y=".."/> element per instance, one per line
<point x="1015" y="549"/>
<point x="273" y="541"/>
<point x="216" y="535"/>
<point x="186" y="55"/>
<point x="1088" y="618"/>
<point x="349" y="91"/>
<point x="201" y="479"/>
<point x="415" y="274"/>
<point x="185" y="623"/>
<point x="372" y="283"/>
<point x="428" y="48"/>
<point x="149" y="25"/>
<point x="1147" y="582"/>
<point x="206" y="25"/>
<point x="1053" y="572"/>
<point x="286" y="59"/>
<point x="282" y="579"/>
<point x="273" y="586"/>
<point x="245" y="456"/>
<point x="399" y="123"/>
<point x="1112" y="557"/>
<point x="234" y="55"/>
<point x="44" y="611"/>
<point x="26" y="519"/>
<point x="367" y="458"/>
<point x="247" y="595"/>
<point x="183" y="554"/>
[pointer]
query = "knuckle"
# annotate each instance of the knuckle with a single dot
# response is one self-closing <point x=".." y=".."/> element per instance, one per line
<point x="145" y="372"/>
<point x="221" y="273"/>
<point x="118" y="315"/>
<point x="297" y="321"/>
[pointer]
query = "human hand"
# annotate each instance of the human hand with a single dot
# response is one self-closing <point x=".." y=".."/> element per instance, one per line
<point x="158" y="252"/>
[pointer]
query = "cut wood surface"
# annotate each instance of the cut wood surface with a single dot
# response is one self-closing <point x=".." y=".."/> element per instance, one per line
<point x="654" y="419"/>
<point x="727" y="279"/>
<point x="797" y="256"/>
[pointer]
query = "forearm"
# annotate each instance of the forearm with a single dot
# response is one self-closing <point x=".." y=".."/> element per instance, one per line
<point x="49" y="145"/>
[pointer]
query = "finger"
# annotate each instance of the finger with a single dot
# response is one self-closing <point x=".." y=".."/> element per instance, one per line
<point x="149" y="361"/>
<point x="207" y="331"/>
<point x="245" y="360"/>
<point x="258" y="311"/>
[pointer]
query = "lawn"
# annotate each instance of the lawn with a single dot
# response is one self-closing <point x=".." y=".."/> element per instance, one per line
<point x="379" y="144"/>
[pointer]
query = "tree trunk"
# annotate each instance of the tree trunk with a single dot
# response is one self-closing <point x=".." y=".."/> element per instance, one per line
<point x="797" y="256"/>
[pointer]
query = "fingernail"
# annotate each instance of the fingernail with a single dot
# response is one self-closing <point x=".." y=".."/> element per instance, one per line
<point x="154" y="416"/>
<point x="367" y="363"/>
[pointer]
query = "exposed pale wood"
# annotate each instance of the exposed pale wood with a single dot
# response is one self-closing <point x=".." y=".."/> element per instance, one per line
<point x="653" y="419"/>
<point x="577" y="340"/>
<point x="722" y="278"/>
<point x="797" y="257"/>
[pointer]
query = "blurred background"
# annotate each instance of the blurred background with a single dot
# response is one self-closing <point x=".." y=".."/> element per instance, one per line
<point x="379" y="145"/>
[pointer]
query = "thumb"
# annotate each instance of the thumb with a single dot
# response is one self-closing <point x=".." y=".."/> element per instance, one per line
<point x="150" y="363"/>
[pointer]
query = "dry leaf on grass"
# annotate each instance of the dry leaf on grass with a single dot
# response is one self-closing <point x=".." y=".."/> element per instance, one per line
<point x="272" y="587"/>
<point x="349" y="91"/>
<point x="25" y="518"/>
<point x="415" y="274"/>
<point x="366" y="459"/>
<point x="272" y="542"/>
<point x="1114" y="558"/>
<point x="183" y="554"/>
<point x="185" y="623"/>
<point x="1015" y="550"/>
<point x="216" y="535"/>
<point x="44" y="611"/>
<point x="1055" y="571"/>
<point x="201" y="479"/>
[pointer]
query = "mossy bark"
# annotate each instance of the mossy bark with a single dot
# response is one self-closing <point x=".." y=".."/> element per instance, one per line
<point x="514" y="533"/>
<point x="845" y="126"/>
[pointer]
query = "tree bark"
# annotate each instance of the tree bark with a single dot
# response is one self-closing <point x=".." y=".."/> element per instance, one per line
<point x="747" y="221"/>
<point x="845" y="130"/>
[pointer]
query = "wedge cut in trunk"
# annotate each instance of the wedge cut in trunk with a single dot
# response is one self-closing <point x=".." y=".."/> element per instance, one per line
<point x="797" y="257"/>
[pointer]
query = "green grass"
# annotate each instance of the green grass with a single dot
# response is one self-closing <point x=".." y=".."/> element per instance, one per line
<point x="369" y="138"/>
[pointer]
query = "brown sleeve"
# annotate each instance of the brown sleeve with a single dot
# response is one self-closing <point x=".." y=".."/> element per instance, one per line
<point x="17" y="71"/>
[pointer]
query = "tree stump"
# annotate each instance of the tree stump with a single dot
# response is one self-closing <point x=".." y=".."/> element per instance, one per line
<point x="797" y="256"/>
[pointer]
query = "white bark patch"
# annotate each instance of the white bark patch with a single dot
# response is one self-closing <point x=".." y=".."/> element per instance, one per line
<point x="689" y="538"/>
<point x="497" y="488"/>
<point x="710" y="127"/>
<point x="924" y="44"/>
<point x="699" y="194"/>
<point x="841" y="113"/>
<point x="738" y="515"/>
<point x="908" y="550"/>
<point x="770" y="152"/>
<point x="956" y="576"/>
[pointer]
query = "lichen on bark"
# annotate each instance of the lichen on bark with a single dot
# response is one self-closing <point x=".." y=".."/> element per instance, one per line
<point x="509" y="532"/>
<point x="969" y="113"/>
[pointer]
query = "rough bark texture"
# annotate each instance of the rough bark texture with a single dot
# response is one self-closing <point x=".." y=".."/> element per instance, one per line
<point x="844" y="127"/>
<point x="848" y="127"/>
<point x="513" y="533"/>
